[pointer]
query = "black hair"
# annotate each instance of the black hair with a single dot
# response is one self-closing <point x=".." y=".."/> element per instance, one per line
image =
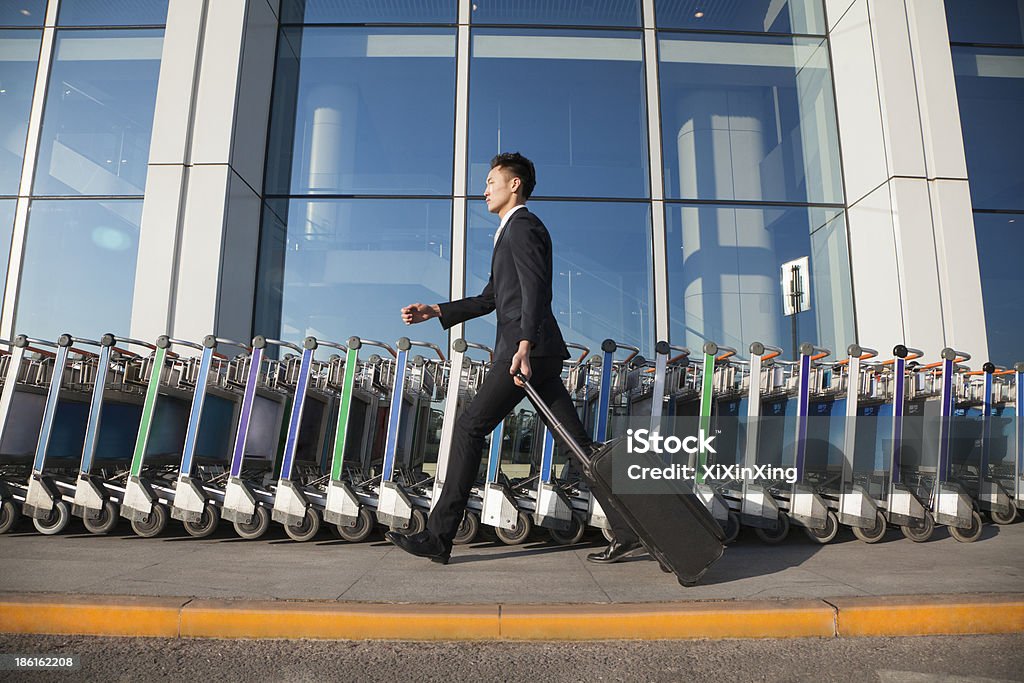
<point x="520" y="167"/>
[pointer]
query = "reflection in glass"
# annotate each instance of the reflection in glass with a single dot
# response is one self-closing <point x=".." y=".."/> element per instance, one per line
<point x="334" y="268"/>
<point x="363" y="111"/>
<point x="7" y="207"/>
<point x="19" y="55"/>
<point x="573" y="102"/>
<point x="724" y="275"/>
<point x="22" y="12"/>
<point x="991" y="21"/>
<point x="98" y="117"/>
<point x="770" y="16"/>
<point x="748" y="119"/>
<point x="1000" y="238"/>
<point x="557" y="13"/>
<point x="990" y="90"/>
<point x="602" y="270"/>
<point x="112" y="13"/>
<point x="78" y="272"/>
<point x="368" y="11"/>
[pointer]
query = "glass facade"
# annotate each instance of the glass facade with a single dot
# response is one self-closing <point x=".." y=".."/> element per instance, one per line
<point x="78" y="272"/>
<point x="112" y="13"/>
<point x="22" y="12"/>
<point x="7" y="207"/>
<point x="19" y="56"/>
<point x="359" y="183"/>
<point x="988" y="64"/>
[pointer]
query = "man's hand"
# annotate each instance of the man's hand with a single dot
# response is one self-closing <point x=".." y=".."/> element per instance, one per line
<point x="521" y="363"/>
<point x="417" y="313"/>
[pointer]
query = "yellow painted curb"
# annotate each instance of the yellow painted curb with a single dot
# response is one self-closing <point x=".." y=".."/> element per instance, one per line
<point x="930" y="615"/>
<point x="92" y="615"/>
<point x="763" y="619"/>
<point x="338" y="621"/>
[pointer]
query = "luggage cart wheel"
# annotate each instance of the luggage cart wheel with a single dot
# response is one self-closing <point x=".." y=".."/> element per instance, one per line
<point x="256" y="527"/>
<point x="732" y="527"/>
<point x="361" y="531"/>
<point x="207" y="523"/>
<point x="468" y="529"/>
<point x="55" y="521"/>
<point x="571" y="536"/>
<point x="971" y="533"/>
<point x="524" y="525"/>
<point x="776" y="535"/>
<point x="920" y="534"/>
<point x="153" y="524"/>
<point x="997" y="517"/>
<point x="875" y="533"/>
<point x="825" y="535"/>
<point x="306" y="529"/>
<point x="9" y="516"/>
<point x="107" y="520"/>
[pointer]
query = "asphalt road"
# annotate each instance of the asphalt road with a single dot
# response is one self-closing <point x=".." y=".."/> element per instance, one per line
<point x="886" y="660"/>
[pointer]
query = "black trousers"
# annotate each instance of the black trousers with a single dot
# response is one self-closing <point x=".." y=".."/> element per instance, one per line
<point x="497" y="396"/>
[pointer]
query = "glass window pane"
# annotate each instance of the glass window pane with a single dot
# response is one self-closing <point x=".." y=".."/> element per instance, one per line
<point x="22" y="12"/>
<point x="78" y="274"/>
<point x="363" y="111"/>
<point x="749" y="119"/>
<point x="558" y="12"/>
<point x="112" y="13"/>
<point x="603" y="279"/>
<point x="7" y="207"/>
<point x="573" y="102"/>
<point x="98" y="118"/>
<point x="724" y="276"/>
<point x="1000" y="239"/>
<point x="770" y="16"/>
<point x="991" y="21"/>
<point x="368" y="11"/>
<point x="990" y="90"/>
<point x="334" y="268"/>
<point x="19" y="56"/>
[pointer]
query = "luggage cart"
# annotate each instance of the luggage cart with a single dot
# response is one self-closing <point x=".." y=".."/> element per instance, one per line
<point x="721" y="402"/>
<point x="402" y="501"/>
<point x="248" y="499"/>
<point x="23" y="402"/>
<point x="115" y="411"/>
<point x="61" y="432"/>
<point x="168" y="439"/>
<point x="927" y="472"/>
<point x="1004" y="436"/>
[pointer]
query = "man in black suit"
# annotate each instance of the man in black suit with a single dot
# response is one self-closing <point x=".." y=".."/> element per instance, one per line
<point x="528" y="341"/>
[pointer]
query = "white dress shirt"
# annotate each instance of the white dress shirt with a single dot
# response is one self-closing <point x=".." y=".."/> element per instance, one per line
<point x="505" y="219"/>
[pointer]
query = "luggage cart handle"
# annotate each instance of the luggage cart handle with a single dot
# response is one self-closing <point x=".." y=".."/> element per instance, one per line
<point x="683" y="354"/>
<point x="32" y="344"/>
<point x="228" y="342"/>
<point x="712" y="349"/>
<point x="167" y="341"/>
<point x="906" y="352"/>
<point x="815" y="352"/>
<point x="859" y="352"/>
<point x="758" y="349"/>
<point x="261" y="342"/>
<point x="409" y="343"/>
<point x="952" y="354"/>
<point x="611" y="346"/>
<point x="460" y="345"/>
<point x="585" y="351"/>
<point x="111" y="341"/>
<point x="359" y="342"/>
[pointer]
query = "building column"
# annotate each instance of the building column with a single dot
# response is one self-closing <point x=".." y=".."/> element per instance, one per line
<point x="916" y="278"/>
<point x="199" y="242"/>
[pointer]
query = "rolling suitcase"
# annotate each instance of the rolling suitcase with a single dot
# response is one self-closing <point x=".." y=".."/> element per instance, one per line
<point x="676" y="528"/>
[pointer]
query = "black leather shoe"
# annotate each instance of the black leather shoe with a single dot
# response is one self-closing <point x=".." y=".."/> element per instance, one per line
<point x="614" y="552"/>
<point x="423" y="544"/>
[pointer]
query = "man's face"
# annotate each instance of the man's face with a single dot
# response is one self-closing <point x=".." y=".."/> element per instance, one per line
<point x="500" y="190"/>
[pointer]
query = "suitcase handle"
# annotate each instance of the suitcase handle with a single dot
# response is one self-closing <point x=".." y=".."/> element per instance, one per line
<point x="556" y="426"/>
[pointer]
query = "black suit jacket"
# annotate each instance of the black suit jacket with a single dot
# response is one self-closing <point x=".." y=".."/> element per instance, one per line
<point x="519" y="290"/>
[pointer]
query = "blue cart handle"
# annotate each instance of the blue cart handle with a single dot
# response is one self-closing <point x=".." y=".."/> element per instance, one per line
<point x="428" y="345"/>
<point x="952" y="354"/>
<point x="815" y="352"/>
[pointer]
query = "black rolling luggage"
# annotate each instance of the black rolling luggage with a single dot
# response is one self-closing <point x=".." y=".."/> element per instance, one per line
<point x="676" y="529"/>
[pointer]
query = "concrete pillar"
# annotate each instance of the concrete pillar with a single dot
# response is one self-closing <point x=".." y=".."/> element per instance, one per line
<point x="200" y="225"/>
<point x="916" y="278"/>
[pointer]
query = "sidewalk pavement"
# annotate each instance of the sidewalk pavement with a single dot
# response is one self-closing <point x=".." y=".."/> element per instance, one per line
<point x="224" y="586"/>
